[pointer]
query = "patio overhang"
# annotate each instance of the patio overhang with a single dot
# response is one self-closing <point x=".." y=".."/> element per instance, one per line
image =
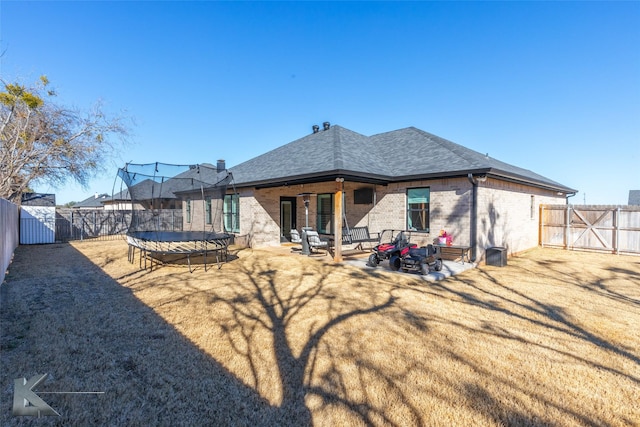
<point x="330" y="176"/>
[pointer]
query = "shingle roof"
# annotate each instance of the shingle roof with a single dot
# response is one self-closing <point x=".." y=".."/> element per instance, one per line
<point x="400" y="155"/>
<point x="144" y="186"/>
<point x="634" y="197"/>
<point x="92" y="202"/>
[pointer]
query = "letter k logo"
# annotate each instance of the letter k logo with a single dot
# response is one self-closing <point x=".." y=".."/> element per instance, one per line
<point x="26" y="402"/>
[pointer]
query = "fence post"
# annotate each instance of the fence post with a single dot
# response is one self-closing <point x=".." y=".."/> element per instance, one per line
<point x="541" y="230"/>
<point x="567" y="228"/>
<point x="616" y="225"/>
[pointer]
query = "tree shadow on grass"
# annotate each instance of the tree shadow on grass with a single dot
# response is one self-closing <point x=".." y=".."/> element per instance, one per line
<point x="540" y="314"/>
<point x="284" y="311"/>
<point x="89" y="332"/>
<point x="293" y="333"/>
<point x="486" y="291"/>
<point x="276" y="343"/>
<point x="61" y="315"/>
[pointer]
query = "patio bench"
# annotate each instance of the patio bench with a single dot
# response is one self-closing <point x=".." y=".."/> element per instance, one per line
<point x="359" y="235"/>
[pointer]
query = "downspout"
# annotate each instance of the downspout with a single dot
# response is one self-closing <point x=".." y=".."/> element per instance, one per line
<point x="473" y="220"/>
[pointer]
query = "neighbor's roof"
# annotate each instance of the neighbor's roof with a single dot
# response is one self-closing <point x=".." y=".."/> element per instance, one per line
<point x="402" y="155"/>
<point x="38" y="199"/>
<point x="188" y="178"/>
<point x="92" y="202"/>
<point x="634" y="197"/>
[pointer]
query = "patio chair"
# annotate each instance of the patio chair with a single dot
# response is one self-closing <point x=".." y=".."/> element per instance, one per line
<point x="315" y="243"/>
<point x="295" y="236"/>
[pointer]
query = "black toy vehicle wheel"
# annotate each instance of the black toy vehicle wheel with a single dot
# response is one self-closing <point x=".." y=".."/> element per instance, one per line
<point x="424" y="269"/>
<point x="395" y="263"/>
<point x="373" y="260"/>
<point x="438" y="265"/>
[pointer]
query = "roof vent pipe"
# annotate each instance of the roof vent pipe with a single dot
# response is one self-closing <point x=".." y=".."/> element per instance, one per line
<point x="326" y="125"/>
<point x="220" y="167"/>
<point x="316" y="128"/>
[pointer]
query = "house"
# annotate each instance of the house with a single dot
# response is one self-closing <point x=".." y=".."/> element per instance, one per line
<point x="403" y="179"/>
<point x="93" y="202"/>
<point x="146" y="194"/>
<point x="145" y="187"/>
<point x="165" y="196"/>
<point x="634" y="197"/>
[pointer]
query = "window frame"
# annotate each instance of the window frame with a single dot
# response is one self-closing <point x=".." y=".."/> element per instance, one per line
<point x="320" y="226"/>
<point x="232" y="217"/>
<point x="208" y="217"/>
<point x="426" y="209"/>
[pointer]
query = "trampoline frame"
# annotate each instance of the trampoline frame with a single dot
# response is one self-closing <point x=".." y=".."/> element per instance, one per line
<point x="186" y="243"/>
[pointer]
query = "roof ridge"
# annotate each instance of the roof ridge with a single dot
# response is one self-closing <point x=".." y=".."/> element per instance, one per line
<point x="338" y="158"/>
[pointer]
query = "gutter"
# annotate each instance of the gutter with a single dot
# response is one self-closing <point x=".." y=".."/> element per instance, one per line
<point x="473" y="219"/>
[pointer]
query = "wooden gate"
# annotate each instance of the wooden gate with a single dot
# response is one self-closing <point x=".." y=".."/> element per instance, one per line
<point x="606" y="228"/>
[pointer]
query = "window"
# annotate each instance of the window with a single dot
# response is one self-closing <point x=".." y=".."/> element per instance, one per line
<point x="188" y="211"/>
<point x="363" y="196"/>
<point x="325" y="213"/>
<point x="207" y="210"/>
<point x="231" y="213"/>
<point x="418" y="209"/>
<point x="532" y="207"/>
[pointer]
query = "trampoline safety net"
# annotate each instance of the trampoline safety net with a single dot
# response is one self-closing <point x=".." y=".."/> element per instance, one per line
<point x="155" y="192"/>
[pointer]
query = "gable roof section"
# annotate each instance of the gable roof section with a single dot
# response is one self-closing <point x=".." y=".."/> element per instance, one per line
<point x="401" y="155"/>
<point x="92" y="202"/>
<point x="196" y="178"/>
<point x="438" y="157"/>
<point x="314" y="155"/>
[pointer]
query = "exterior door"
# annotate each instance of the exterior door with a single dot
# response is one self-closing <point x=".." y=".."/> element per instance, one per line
<point x="287" y="217"/>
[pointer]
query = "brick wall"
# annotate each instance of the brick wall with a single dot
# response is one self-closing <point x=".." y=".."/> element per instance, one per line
<point x="506" y="216"/>
<point x="198" y="220"/>
<point x="504" y="211"/>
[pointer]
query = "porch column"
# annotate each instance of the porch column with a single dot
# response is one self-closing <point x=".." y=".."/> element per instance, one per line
<point x="337" y="221"/>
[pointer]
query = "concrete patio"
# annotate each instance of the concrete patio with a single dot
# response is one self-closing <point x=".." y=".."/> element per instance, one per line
<point x="359" y="259"/>
<point x="449" y="268"/>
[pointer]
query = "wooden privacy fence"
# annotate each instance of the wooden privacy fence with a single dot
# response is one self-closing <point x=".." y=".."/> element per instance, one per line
<point x="614" y="229"/>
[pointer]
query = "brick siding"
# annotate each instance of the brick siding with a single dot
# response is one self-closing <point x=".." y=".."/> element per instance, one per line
<point x="504" y="211"/>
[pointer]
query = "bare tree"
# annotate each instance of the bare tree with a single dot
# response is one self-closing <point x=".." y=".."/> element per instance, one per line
<point x="44" y="142"/>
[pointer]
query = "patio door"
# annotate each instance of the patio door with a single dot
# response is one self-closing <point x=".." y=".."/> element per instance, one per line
<point x="287" y="217"/>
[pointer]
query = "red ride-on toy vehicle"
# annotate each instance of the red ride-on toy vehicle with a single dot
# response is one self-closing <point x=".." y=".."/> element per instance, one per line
<point x="399" y="246"/>
<point x="421" y="260"/>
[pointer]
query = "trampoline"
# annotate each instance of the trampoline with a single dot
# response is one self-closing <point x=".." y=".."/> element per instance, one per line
<point x="192" y="196"/>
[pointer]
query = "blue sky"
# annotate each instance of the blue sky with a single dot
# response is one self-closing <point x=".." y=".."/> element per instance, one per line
<point x="549" y="86"/>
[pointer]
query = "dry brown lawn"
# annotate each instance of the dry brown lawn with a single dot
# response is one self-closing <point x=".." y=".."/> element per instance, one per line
<point x="278" y="339"/>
